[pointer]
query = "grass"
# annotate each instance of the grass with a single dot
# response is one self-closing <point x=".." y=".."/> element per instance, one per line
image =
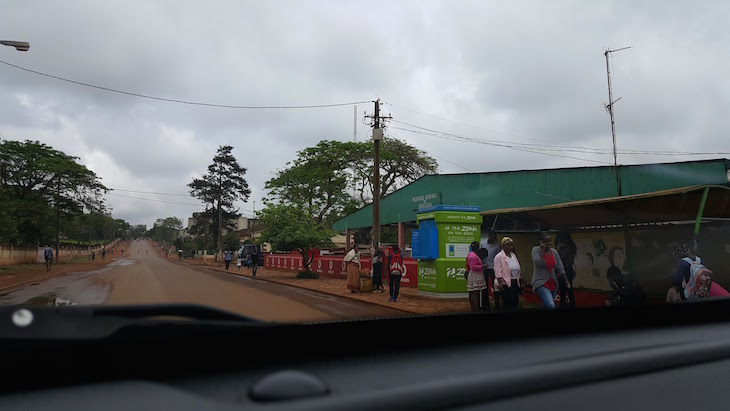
<point x="22" y="268"/>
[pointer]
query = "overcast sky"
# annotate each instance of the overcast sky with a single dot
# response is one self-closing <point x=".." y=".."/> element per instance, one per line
<point x="528" y="74"/>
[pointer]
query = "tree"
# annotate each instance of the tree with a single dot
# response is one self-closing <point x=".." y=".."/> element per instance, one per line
<point x="400" y="165"/>
<point x="165" y="229"/>
<point x="289" y="227"/>
<point x="231" y="242"/>
<point x="137" y="230"/>
<point x="219" y="188"/>
<point x="317" y="182"/>
<point x="40" y="186"/>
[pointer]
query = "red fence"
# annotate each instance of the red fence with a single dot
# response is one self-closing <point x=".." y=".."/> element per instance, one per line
<point x="334" y="265"/>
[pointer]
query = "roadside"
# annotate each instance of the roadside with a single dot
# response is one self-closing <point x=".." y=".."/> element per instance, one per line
<point x="409" y="301"/>
<point x="14" y="276"/>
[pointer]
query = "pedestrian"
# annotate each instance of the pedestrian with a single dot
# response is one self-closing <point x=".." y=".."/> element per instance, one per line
<point x="508" y="273"/>
<point x="179" y="255"/>
<point x="227" y="259"/>
<point x="475" y="282"/>
<point x="352" y="260"/>
<point x="547" y="267"/>
<point x="103" y="253"/>
<point x="239" y="261"/>
<point x="397" y="268"/>
<point x="492" y="248"/>
<point x="48" y="255"/>
<point x="254" y="263"/>
<point x="377" y="263"/>
<point x="93" y="253"/>
<point x="691" y="278"/>
<point x="567" y="250"/>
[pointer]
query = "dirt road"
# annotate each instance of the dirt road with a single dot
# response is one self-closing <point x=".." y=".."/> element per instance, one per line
<point x="144" y="277"/>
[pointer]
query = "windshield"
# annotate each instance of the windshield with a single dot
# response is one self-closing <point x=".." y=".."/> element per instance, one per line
<point x="297" y="162"/>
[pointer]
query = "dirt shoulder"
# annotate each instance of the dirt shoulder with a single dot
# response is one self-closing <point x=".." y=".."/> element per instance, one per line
<point x="14" y="276"/>
<point x="409" y="300"/>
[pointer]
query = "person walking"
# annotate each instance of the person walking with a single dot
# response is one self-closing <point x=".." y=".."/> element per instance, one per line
<point x="492" y="249"/>
<point x="396" y="270"/>
<point x="377" y="263"/>
<point x="93" y="253"/>
<point x="352" y="260"/>
<point x="239" y="261"/>
<point x="103" y="252"/>
<point x="48" y="255"/>
<point x="508" y="273"/>
<point x="475" y="282"/>
<point x="179" y="254"/>
<point x="227" y="259"/>
<point x="254" y="257"/>
<point x="567" y="249"/>
<point x="546" y="268"/>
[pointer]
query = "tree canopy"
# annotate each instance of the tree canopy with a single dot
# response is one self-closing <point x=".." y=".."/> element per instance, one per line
<point x="289" y="227"/>
<point x="40" y="186"/>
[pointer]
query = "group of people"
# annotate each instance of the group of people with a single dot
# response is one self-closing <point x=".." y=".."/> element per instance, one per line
<point x="252" y="260"/>
<point x="391" y="266"/>
<point x="496" y="263"/>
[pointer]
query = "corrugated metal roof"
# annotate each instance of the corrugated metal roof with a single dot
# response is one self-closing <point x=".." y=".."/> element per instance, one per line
<point x="534" y="188"/>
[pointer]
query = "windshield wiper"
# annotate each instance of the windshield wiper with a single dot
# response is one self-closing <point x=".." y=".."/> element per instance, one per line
<point x="94" y="322"/>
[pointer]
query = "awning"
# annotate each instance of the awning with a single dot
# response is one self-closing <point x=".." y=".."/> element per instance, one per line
<point x="682" y="204"/>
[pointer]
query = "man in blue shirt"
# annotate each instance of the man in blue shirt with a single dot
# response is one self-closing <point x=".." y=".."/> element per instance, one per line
<point x="48" y="255"/>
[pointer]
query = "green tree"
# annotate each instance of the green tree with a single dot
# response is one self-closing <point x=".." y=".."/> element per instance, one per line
<point x="289" y="227"/>
<point x="219" y="188"/>
<point x="400" y="165"/>
<point x="137" y="230"/>
<point x="317" y="180"/>
<point x="40" y="187"/>
<point x="165" y="229"/>
<point x="231" y="242"/>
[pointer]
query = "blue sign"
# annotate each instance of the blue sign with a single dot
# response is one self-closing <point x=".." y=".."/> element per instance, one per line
<point x="469" y="209"/>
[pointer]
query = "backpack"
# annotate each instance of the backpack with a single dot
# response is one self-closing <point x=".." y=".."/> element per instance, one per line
<point x="700" y="280"/>
<point x="396" y="265"/>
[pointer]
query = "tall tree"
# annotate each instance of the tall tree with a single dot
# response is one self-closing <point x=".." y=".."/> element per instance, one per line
<point x="318" y="181"/>
<point x="220" y="187"/>
<point x="40" y="186"/>
<point x="165" y="229"/>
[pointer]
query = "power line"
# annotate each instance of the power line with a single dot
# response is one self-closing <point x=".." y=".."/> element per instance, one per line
<point x="154" y="200"/>
<point x="559" y="147"/>
<point x="170" y="100"/>
<point x="151" y="192"/>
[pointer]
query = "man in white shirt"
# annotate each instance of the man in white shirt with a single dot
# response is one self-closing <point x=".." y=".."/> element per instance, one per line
<point x="493" y="248"/>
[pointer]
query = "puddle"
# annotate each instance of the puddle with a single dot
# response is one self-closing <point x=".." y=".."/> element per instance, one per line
<point x="71" y="289"/>
<point x="49" y="300"/>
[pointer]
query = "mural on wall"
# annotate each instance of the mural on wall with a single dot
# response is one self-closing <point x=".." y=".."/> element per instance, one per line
<point x="597" y="255"/>
<point x="649" y="251"/>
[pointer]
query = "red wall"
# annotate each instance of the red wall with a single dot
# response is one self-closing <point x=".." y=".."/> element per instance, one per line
<point x="334" y="266"/>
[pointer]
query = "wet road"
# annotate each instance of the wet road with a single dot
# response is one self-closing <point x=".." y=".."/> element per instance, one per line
<point x="144" y="277"/>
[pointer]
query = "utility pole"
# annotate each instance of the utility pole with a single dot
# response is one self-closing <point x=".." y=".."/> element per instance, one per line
<point x="58" y="217"/>
<point x="609" y="107"/>
<point x="377" y="137"/>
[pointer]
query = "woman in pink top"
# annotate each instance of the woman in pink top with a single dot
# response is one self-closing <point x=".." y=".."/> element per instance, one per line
<point x="475" y="282"/>
<point x="507" y="272"/>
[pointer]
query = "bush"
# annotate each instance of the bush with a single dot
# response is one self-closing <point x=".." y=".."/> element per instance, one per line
<point x="307" y="274"/>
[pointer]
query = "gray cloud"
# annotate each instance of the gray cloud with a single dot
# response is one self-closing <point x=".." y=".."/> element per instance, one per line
<point x="533" y="70"/>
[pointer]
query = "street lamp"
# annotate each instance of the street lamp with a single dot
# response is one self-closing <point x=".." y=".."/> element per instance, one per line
<point x="19" y="45"/>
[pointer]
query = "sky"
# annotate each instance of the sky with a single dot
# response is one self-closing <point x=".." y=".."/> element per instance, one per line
<point x="479" y="85"/>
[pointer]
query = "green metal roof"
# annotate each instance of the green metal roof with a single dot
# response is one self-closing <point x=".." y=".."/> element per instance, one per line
<point x="533" y="188"/>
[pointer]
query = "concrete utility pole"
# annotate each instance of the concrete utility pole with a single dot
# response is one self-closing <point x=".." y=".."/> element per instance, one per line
<point x="609" y="107"/>
<point x="220" y="220"/>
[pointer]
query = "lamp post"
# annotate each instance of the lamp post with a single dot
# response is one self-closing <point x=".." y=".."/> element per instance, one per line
<point x="19" y="45"/>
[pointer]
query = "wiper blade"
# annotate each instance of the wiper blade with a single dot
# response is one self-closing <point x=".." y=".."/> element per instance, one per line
<point x="95" y="322"/>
